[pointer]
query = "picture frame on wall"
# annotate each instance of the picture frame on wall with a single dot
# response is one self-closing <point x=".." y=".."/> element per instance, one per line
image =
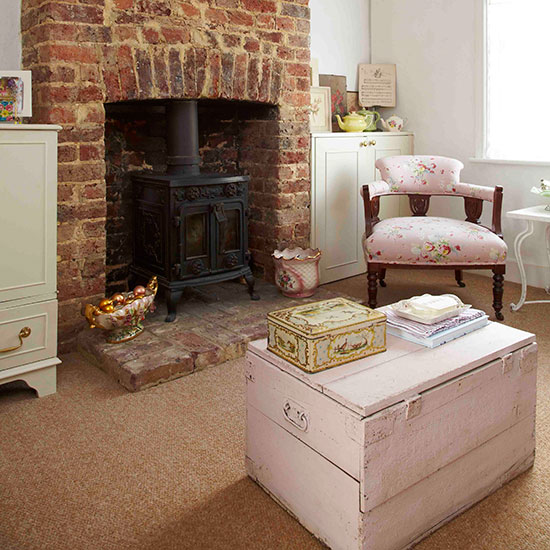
<point x="320" y="112"/>
<point x="338" y="96"/>
<point x="314" y="66"/>
<point x="15" y="95"/>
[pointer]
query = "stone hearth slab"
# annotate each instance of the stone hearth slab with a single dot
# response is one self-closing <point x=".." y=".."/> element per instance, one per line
<point x="214" y="324"/>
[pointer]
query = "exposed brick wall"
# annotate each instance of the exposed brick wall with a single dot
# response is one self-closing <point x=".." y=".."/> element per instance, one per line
<point x="85" y="53"/>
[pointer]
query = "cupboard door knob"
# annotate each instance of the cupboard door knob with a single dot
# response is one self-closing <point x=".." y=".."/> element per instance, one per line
<point x="23" y="333"/>
<point x="367" y="143"/>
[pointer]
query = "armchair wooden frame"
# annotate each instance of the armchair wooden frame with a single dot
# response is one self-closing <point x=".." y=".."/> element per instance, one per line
<point x="419" y="204"/>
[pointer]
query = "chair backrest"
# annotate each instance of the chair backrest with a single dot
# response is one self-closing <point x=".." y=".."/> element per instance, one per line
<point x="422" y="176"/>
<point x="426" y="175"/>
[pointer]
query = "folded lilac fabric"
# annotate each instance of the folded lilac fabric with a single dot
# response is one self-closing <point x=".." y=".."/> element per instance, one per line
<point x="426" y="331"/>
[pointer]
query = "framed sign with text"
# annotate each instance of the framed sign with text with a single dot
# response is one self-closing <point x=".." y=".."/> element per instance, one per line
<point x="377" y="85"/>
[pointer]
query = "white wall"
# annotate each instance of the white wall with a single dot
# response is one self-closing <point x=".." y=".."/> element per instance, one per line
<point x="340" y="37"/>
<point x="433" y="43"/>
<point x="10" y="35"/>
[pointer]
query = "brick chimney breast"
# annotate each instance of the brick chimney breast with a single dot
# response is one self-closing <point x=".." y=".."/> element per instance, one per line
<point x="85" y="54"/>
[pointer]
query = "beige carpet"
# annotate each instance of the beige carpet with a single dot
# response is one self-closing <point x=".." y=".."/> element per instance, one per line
<point x="95" y="467"/>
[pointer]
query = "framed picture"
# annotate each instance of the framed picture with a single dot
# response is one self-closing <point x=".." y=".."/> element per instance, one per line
<point x="353" y="102"/>
<point x="314" y="66"/>
<point x="377" y="85"/>
<point x="338" y="95"/>
<point x="15" y="95"/>
<point x="319" y="113"/>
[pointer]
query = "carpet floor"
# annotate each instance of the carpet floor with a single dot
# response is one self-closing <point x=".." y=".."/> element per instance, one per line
<point x="96" y="467"/>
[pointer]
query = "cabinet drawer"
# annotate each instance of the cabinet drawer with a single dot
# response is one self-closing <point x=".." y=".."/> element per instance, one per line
<point x="41" y="341"/>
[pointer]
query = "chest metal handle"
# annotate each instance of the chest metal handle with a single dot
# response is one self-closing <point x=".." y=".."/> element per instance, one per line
<point x="23" y="333"/>
<point x="296" y="417"/>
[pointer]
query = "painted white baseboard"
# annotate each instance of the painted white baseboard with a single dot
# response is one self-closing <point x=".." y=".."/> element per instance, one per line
<point x="537" y="275"/>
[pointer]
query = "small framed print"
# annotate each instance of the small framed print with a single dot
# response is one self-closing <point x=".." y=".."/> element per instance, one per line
<point x="314" y="65"/>
<point x="15" y="95"/>
<point x="320" y="111"/>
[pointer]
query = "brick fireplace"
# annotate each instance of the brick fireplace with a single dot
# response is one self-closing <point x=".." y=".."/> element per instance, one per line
<point x="90" y="57"/>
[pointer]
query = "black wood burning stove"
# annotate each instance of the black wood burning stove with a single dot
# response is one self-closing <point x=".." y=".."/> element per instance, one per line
<point x="189" y="228"/>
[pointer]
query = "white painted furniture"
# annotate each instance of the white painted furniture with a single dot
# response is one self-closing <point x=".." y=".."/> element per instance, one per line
<point x="341" y="164"/>
<point x="378" y="453"/>
<point x="530" y="215"/>
<point x="28" y="241"/>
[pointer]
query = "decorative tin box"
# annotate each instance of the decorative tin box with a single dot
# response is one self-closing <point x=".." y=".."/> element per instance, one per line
<point x="320" y="335"/>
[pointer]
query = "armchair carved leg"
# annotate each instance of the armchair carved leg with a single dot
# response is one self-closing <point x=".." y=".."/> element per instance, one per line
<point x="498" y="291"/>
<point x="382" y="277"/>
<point x="458" y="277"/>
<point x="372" y="278"/>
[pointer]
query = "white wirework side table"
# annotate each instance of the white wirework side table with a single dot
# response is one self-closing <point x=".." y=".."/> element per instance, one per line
<point x="530" y="215"/>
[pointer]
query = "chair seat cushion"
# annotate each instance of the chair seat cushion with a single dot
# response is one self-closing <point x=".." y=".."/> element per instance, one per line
<point x="433" y="240"/>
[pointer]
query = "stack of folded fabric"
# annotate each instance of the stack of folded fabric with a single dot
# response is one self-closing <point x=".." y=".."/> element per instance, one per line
<point x="432" y="335"/>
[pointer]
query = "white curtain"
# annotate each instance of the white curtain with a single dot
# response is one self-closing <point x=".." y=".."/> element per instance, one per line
<point x="518" y="80"/>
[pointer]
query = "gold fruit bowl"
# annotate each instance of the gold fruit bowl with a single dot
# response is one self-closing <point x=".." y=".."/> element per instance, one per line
<point x="122" y="315"/>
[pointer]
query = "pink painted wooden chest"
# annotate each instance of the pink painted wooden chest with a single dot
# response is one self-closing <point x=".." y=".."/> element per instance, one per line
<point x="378" y="453"/>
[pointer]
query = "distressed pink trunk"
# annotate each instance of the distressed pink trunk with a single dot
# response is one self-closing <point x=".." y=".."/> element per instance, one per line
<point x="379" y="453"/>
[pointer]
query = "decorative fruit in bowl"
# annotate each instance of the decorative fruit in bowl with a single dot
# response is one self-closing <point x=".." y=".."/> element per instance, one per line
<point x="122" y="315"/>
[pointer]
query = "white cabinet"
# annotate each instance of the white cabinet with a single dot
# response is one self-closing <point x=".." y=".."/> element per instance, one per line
<point x="28" y="241"/>
<point x="341" y="165"/>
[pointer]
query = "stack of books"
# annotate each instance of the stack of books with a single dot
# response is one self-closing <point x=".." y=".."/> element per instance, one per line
<point x="435" y="334"/>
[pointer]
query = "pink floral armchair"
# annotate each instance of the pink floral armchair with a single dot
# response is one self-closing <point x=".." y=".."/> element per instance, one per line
<point x="423" y="242"/>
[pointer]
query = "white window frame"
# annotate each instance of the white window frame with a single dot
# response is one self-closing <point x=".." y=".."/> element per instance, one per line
<point x="480" y="83"/>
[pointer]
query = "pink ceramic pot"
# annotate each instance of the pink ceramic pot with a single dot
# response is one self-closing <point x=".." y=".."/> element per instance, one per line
<point x="297" y="271"/>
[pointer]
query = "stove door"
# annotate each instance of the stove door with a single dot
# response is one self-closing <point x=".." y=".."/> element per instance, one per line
<point x="195" y="245"/>
<point x="227" y="218"/>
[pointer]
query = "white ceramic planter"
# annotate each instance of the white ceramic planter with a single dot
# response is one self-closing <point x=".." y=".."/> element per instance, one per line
<point x="297" y="271"/>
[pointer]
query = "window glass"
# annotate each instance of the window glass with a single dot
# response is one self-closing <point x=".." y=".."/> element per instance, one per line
<point x="518" y="80"/>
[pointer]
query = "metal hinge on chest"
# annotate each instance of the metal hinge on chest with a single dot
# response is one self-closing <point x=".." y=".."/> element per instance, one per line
<point x="414" y="406"/>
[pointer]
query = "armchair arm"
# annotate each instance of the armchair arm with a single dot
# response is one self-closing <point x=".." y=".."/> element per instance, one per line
<point x="470" y="190"/>
<point x="369" y="218"/>
<point x="377" y="189"/>
<point x="497" y="211"/>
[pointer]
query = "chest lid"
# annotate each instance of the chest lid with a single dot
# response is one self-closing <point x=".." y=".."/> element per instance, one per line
<point x="316" y="319"/>
<point x="373" y="383"/>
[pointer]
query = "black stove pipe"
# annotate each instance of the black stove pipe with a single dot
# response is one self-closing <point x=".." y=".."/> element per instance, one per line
<point x="182" y="137"/>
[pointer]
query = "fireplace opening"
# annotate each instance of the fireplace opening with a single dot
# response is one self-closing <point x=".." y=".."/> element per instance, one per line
<point x="236" y="138"/>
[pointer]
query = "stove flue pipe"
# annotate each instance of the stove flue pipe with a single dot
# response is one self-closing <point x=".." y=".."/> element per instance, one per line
<point x="182" y="137"/>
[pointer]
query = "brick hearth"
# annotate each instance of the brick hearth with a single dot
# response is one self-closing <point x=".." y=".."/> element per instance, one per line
<point x="215" y="326"/>
<point x="88" y="53"/>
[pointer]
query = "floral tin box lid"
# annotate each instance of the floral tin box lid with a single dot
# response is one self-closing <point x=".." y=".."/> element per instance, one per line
<point x="319" y="318"/>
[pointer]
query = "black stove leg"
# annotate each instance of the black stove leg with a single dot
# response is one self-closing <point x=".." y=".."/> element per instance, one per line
<point x="249" y="278"/>
<point x="172" y="299"/>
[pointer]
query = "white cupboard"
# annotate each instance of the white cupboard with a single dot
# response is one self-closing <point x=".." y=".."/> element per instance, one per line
<point x="28" y="242"/>
<point x="341" y="164"/>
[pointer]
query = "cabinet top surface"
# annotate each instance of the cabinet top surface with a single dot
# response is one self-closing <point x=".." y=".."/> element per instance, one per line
<point x="6" y="126"/>
<point x="405" y="369"/>
<point x="359" y="134"/>
<point x="535" y="213"/>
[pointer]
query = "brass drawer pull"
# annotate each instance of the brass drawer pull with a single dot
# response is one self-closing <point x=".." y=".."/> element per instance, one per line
<point x="23" y="333"/>
<point x="368" y="143"/>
